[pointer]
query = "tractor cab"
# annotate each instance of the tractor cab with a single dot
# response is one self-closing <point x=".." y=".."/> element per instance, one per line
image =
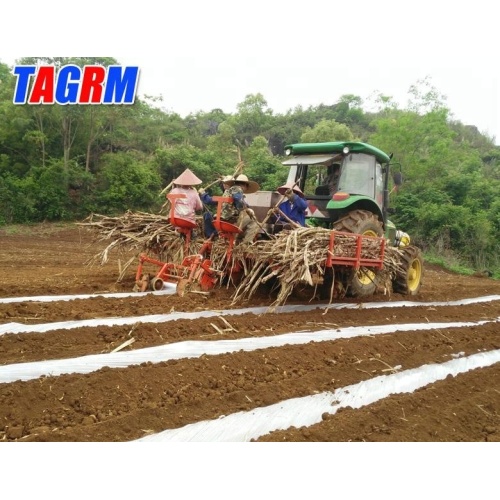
<point x="339" y="177"/>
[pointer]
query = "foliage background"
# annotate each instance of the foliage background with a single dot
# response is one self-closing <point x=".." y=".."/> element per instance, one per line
<point x="64" y="162"/>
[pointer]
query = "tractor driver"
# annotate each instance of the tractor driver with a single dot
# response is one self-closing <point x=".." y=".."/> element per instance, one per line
<point x="332" y="178"/>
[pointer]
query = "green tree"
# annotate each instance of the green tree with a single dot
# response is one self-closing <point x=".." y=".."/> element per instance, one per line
<point x="424" y="97"/>
<point x="224" y="146"/>
<point x="44" y="192"/>
<point x="327" y="131"/>
<point x="253" y="118"/>
<point x="170" y="162"/>
<point x="126" y="182"/>
<point x="423" y="144"/>
<point x="16" y="204"/>
<point x="262" y="167"/>
<point x="201" y="125"/>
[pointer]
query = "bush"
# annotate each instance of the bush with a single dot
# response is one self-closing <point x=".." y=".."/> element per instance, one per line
<point x="126" y="183"/>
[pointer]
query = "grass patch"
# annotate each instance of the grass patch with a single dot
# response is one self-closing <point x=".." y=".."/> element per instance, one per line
<point x="452" y="263"/>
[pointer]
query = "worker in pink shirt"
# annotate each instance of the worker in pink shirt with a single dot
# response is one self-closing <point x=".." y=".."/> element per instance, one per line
<point x="186" y="208"/>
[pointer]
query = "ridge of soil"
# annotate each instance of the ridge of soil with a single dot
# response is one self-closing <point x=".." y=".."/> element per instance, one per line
<point x="122" y="404"/>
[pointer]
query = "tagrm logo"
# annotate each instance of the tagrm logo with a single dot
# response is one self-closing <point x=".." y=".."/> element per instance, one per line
<point x="74" y="85"/>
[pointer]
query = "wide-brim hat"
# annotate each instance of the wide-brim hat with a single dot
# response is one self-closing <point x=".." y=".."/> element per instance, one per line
<point x="243" y="179"/>
<point x="187" y="178"/>
<point x="227" y="178"/>
<point x="289" y="185"/>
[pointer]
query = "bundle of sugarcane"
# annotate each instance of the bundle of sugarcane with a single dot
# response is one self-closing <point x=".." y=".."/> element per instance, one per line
<point x="219" y="257"/>
<point x="392" y="262"/>
<point x="241" y="257"/>
<point x="298" y="257"/>
<point x="139" y="231"/>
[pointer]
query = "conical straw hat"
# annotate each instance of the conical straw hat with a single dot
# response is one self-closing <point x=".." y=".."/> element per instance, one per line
<point x="242" y="178"/>
<point x="289" y="185"/>
<point x="187" y="178"/>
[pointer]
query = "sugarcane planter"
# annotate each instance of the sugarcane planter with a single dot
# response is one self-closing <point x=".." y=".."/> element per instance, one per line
<point x="348" y="246"/>
<point x="324" y="261"/>
<point x="193" y="273"/>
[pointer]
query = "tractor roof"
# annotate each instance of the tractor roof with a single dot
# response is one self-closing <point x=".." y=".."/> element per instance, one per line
<point x="337" y="147"/>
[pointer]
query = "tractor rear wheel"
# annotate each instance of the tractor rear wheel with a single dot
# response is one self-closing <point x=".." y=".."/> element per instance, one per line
<point x="364" y="281"/>
<point x="409" y="279"/>
<point x="360" y="222"/>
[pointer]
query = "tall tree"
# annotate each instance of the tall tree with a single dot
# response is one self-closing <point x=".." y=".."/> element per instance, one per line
<point x="327" y="131"/>
<point x="262" y="167"/>
<point x="253" y="118"/>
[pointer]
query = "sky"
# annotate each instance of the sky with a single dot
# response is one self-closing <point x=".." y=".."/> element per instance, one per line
<point x="201" y="55"/>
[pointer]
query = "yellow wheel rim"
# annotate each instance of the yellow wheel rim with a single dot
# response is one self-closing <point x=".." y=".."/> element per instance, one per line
<point x="414" y="274"/>
<point x="365" y="277"/>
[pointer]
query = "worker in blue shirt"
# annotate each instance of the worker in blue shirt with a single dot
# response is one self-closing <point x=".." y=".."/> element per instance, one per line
<point x="292" y="208"/>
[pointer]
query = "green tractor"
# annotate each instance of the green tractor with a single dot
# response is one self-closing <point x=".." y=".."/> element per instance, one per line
<point x="347" y="188"/>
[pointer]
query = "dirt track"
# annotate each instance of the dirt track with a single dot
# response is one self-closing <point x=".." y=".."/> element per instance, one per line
<point x="123" y="404"/>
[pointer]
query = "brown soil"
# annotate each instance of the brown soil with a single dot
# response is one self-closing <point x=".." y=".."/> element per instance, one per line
<point x="123" y="404"/>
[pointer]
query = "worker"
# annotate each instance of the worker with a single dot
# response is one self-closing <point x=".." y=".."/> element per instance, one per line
<point x="206" y="198"/>
<point x="186" y="208"/>
<point x="238" y="212"/>
<point x="292" y="208"/>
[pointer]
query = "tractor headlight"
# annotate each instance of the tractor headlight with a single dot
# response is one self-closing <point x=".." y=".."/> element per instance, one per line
<point x="346" y="150"/>
<point x="288" y="151"/>
<point x="402" y="239"/>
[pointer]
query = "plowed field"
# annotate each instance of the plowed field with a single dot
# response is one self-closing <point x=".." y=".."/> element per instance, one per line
<point x="261" y="368"/>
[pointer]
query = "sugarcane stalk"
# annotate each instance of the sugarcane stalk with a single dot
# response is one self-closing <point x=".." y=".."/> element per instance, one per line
<point x="165" y="189"/>
<point x="293" y="223"/>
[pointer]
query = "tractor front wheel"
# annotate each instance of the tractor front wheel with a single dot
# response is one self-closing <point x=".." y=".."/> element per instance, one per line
<point x="408" y="279"/>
